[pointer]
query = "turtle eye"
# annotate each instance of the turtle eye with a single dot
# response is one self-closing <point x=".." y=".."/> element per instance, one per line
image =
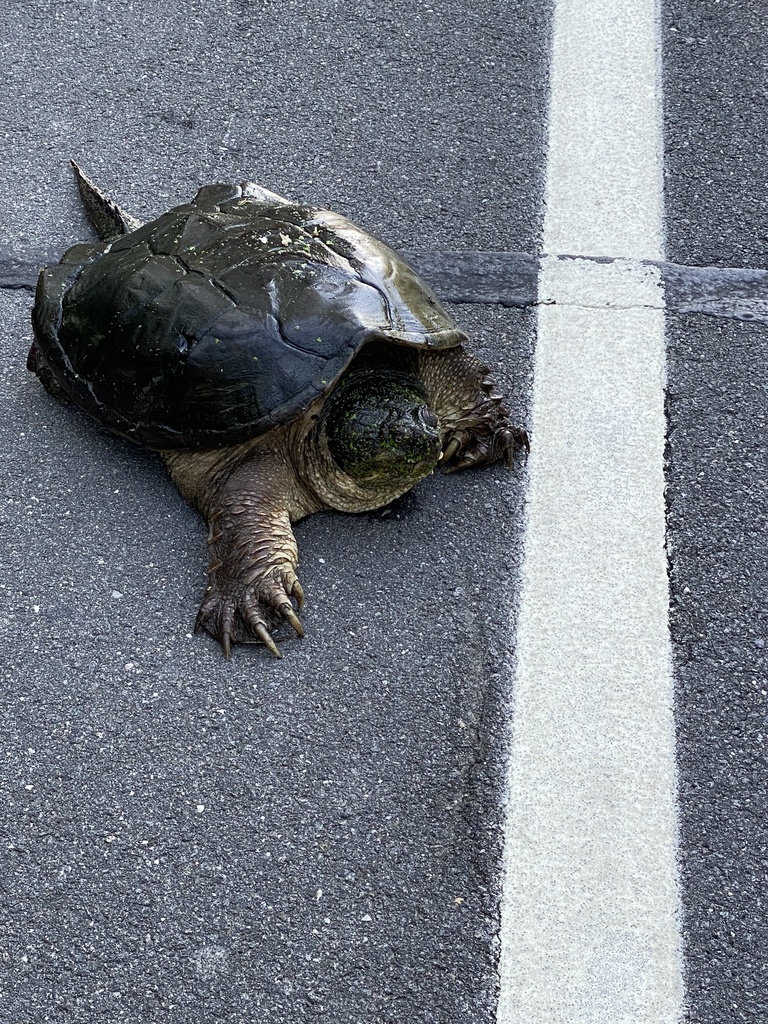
<point x="427" y="417"/>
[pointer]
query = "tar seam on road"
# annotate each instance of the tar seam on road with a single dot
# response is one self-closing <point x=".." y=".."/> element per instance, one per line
<point x="589" y="924"/>
<point x="511" y="279"/>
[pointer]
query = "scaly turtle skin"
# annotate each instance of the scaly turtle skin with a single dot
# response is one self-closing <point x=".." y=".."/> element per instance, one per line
<point x="280" y="360"/>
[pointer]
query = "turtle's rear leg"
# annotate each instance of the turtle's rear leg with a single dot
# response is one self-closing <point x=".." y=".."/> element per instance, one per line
<point x="36" y="362"/>
<point x="476" y="427"/>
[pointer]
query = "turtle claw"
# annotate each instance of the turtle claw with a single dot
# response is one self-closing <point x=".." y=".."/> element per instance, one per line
<point x="450" y="450"/>
<point x="199" y="618"/>
<point x="290" y="616"/>
<point x="225" y="630"/>
<point x="520" y="439"/>
<point x="266" y="638"/>
<point x="259" y="628"/>
<point x="297" y="591"/>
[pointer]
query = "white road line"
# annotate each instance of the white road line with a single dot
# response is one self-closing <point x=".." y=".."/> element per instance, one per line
<point x="589" y="929"/>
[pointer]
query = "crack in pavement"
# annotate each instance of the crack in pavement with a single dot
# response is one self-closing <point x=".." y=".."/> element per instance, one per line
<point x="511" y="279"/>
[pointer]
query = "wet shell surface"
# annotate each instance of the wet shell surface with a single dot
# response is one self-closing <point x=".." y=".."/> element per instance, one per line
<point x="224" y="317"/>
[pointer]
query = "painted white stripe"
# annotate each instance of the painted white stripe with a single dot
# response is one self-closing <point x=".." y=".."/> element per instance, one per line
<point x="589" y="929"/>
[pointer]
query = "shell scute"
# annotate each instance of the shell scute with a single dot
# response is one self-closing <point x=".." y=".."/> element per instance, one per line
<point x="224" y="317"/>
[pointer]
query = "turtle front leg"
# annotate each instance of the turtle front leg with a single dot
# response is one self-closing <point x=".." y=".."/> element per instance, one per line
<point x="253" y="586"/>
<point x="252" y="573"/>
<point x="476" y="427"/>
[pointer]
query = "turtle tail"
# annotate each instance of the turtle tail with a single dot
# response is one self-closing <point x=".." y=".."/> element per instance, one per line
<point x="107" y="218"/>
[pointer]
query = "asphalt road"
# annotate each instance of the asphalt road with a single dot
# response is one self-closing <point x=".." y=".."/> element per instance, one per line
<point x="187" y="839"/>
<point x="717" y="161"/>
<point x="184" y="839"/>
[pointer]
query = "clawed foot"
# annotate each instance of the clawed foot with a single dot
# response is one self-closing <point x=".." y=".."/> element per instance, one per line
<point x="467" y="448"/>
<point x="234" y="611"/>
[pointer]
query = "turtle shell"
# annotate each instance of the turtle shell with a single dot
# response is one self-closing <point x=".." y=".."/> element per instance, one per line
<point x="224" y="317"/>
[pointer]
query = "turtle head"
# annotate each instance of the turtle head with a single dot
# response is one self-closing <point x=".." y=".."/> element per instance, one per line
<point x="381" y="430"/>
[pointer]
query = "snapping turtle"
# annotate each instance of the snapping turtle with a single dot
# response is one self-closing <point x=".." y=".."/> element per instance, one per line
<point x="279" y="359"/>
